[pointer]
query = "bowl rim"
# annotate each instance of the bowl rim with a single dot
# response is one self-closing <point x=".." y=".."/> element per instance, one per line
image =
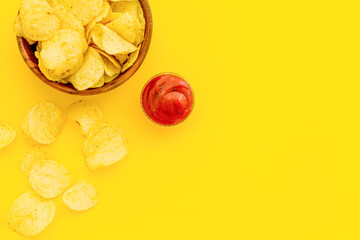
<point x="32" y="63"/>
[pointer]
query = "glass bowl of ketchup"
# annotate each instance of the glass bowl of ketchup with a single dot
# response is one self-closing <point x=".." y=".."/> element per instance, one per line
<point x="167" y="99"/>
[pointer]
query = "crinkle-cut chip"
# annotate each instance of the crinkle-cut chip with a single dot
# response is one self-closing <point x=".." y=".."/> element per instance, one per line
<point x="44" y="122"/>
<point x="62" y="55"/>
<point x="31" y="157"/>
<point x="49" y="178"/>
<point x="124" y="6"/>
<point x="30" y="214"/>
<point x="81" y="197"/>
<point x="127" y="26"/>
<point x="84" y="10"/>
<point x="68" y="21"/>
<point x="109" y="68"/>
<point x="7" y="134"/>
<point x="90" y="72"/>
<point x="86" y="113"/>
<point x="122" y="58"/>
<point x="105" y="145"/>
<point x="109" y="41"/>
<point x="133" y="57"/>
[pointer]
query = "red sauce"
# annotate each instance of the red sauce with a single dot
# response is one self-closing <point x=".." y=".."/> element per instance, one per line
<point x="167" y="99"/>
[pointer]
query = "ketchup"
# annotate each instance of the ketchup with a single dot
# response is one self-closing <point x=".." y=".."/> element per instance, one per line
<point x="167" y="99"/>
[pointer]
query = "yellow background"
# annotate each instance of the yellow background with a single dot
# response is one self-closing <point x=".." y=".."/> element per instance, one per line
<point x="271" y="150"/>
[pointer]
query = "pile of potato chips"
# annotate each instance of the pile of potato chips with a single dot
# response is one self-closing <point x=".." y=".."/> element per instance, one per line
<point x="86" y="43"/>
<point x="104" y="145"/>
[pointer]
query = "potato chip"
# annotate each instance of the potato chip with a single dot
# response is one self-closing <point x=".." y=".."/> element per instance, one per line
<point x="84" y="10"/>
<point x="109" y="68"/>
<point x="25" y="127"/>
<point x="17" y="27"/>
<point x="90" y="72"/>
<point x="38" y="22"/>
<point x="122" y="58"/>
<point x="7" y="134"/>
<point x="43" y="123"/>
<point x="104" y="14"/>
<point x="124" y="7"/>
<point x="31" y="157"/>
<point x="132" y="59"/>
<point x="30" y="214"/>
<point x="105" y="145"/>
<point x="109" y="41"/>
<point x="68" y="21"/>
<point x="108" y="79"/>
<point x="85" y="113"/>
<point x="113" y="16"/>
<point x="49" y="178"/>
<point x="111" y="58"/>
<point x="100" y="83"/>
<point x="62" y="55"/>
<point x="127" y="26"/>
<point x="80" y="197"/>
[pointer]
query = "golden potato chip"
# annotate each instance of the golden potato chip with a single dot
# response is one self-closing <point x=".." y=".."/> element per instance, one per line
<point x="90" y="72"/>
<point x="17" y="27"/>
<point x="85" y="113"/>
<point x="25" y="127"/>
<point x="109" y="41"/>
<point x="43" y="123"/>
<point x="108" y="79"/>
<point x="31" y="157"/>
<point x="68" y="21"/>
<point x="113" y="16"/>
<point x="84" y="10"/>
<point x="109" y="68"/>
<point x="111" y="58"/>
<point x="62" y="55"/>
<point x="131" y="60"/>
<point x="127" y="26"/>
<point x="105" y="145"/>
<point x="38" y="23"/>
<point x="122" y="58"/>
<point x="104" y="15"/>
<point x="49" y="178"/>
<point x="124" y="7"/>
<point x="80" y="197"/>
<point x="100" y="83"/>
<point x="7" y="134"/>
<point x="30" y="214"/>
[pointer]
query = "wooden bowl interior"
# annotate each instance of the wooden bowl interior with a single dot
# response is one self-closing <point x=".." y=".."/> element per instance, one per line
<point x="31" y="61"/>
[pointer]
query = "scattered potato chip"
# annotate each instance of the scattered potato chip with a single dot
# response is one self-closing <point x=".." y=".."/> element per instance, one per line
<point x="30" y="214"/>
<point x="31" y="157"/>
<point x="90" y="72"/>
<point x="105" y="145"/>
<point x="7" y="134"/>
<point x="109" y="41"/>
<point x="49" y="178"/>
<point x="62" y="55"/>
<point x="85" y="113"/>
<point x="80" y="197"/>
<point x="43" y="123"/>
<point x="131" y="60"/>
<point x="84" y="10"/>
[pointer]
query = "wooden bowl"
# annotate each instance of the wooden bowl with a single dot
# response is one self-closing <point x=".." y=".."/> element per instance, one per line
<point x="31" y="61"/>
